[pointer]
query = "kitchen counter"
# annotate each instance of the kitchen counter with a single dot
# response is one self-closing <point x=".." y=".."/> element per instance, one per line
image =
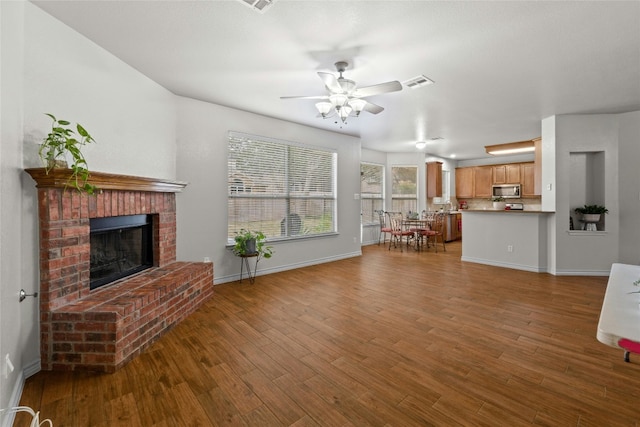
<point x="505" y="211"/>
<point x="506" y="238"/>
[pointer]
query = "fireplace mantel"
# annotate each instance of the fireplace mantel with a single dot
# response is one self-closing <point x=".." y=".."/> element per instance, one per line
<point x="58" y="178"/>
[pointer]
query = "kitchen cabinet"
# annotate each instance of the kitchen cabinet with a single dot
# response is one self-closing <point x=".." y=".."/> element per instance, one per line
<point x="464" y="183"/>
<point x="434" y="179"/>
<point x="476" y="181"/>
<point x="528" y="180"/>
<point x="483" y="179"/>
<point x="507" y="174"/>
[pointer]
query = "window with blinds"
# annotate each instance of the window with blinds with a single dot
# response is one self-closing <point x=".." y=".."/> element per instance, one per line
<point x="281" y="188"/>
<point x="404" y="189"/>
<point x="371" y="192"/>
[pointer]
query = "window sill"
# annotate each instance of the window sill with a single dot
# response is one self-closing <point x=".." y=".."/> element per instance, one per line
<point x="270" y="240"/>
<point x="586" y="233"/>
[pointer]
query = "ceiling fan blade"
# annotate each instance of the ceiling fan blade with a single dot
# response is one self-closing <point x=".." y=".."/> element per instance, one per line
<point x="305" y="97"/>
<point x="372" y="108"/>
<point x="330" y="82"/>
<point x="387" y="87"/>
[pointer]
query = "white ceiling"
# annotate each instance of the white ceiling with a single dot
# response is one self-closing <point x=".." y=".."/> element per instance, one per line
<point x="499" y="67"/>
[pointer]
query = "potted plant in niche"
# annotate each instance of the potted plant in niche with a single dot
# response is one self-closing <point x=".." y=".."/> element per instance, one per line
<point x="591" y="215"/>
<point x="499" y="203"/>
<point x="251" y="243"/>
<point x="63" y="141"/>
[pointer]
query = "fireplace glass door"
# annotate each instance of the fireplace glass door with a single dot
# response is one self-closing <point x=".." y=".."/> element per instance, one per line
<point x="120" y="247"/>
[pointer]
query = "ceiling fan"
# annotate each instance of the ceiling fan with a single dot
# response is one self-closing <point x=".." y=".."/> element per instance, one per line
<point x="344" y="97"/>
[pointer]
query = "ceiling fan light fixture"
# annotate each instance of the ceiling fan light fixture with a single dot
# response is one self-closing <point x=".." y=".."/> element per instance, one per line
<point x="511" y="148"/>
<point x="324" y="108"/>
<point x="357" y="105"/>
<point x="343" y="98"/>
<point x="421" y="144"/>
<point x="344" y="112"/>
<point x="338" y="100"/>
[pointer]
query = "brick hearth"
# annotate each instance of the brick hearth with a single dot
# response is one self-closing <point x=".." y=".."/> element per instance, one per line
<point x="105" y="328"/>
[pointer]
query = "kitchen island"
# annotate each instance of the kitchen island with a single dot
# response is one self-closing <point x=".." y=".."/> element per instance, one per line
<point x="506" y="238"/>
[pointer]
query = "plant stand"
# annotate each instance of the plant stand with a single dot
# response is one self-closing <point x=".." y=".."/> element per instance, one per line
<point x="244" y="263"/>
<point x="590" y="221"/>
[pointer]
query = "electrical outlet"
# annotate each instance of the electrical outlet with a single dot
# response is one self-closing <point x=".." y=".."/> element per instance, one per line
<point x="8" y="366"/>
<point x="509" y="248"/>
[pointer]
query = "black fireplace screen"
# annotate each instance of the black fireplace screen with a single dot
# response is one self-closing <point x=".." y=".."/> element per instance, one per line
<point x="120" y="246"/>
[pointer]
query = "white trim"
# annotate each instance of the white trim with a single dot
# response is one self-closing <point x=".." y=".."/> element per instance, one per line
<point x="582" y="273"/>
<point x="533" y="269"/>
<point x="266" y="271"/>
<point x="14" y="401"/>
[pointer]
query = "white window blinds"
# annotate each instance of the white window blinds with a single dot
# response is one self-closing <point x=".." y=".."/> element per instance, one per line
<point x="404" y="189"/>
<point x="281" y="188"/>
<point x="371" y="192"/>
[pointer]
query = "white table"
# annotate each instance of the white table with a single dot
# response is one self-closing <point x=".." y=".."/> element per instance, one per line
<point x="620" y="314"/>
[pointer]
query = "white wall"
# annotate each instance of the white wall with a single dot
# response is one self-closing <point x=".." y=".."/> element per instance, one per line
<point x="11" y="243"/>
<point x="584" y="253"/>
<point x="47" y="67"/>
<point x="548" y="186"/>
<point x="629" y="187"/>
<point x="487" y="237"/>
<point x="202" y="213"/>
<point x="132" y="118"/>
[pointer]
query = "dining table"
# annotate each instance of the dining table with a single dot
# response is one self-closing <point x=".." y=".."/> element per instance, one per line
<point x="417" y="226"/>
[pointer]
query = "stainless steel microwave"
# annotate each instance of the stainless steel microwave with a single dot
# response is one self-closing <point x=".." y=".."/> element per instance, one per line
<point x="508" y="191"/>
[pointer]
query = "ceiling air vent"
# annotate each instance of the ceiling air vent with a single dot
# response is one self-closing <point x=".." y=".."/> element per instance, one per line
<point x="417" y="82"/>
<point x="258" y="5"/>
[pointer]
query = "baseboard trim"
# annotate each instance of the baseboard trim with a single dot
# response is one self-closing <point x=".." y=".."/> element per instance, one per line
<point x="265" y="271"/>
<point x="14" y="401"/>
<point x="582" y="273"/>
<point x="523" y="267"/>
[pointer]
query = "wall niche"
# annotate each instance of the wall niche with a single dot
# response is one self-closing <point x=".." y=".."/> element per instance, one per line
<point x="587" y="183"/>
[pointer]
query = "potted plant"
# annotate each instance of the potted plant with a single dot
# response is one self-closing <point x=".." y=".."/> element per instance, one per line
<point x="63" y="141"/>
<point x="591" y="213"/>
<point x="499" y="203"/>
<point x="251" y="243"/>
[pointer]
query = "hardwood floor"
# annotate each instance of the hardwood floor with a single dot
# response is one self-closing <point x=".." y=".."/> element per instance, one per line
<point x="386" y="339"/>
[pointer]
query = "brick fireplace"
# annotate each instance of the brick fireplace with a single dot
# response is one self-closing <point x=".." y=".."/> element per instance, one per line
<point x="104" y="328"/>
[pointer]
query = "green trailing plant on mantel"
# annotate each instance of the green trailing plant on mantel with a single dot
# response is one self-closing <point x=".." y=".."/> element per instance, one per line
<point x="592" y="210"/>
<point x="61" y="141"/>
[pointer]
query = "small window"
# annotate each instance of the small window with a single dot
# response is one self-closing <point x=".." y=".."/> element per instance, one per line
<point x="371" y="192"/>
<point x="404" y="190"/>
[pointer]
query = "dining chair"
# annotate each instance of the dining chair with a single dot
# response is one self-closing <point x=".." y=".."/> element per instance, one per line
<point x="423" y="234"/>
<point x="435" y="231"/>
<point x="398" y="232"/>
<point x="385" y="228"/>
